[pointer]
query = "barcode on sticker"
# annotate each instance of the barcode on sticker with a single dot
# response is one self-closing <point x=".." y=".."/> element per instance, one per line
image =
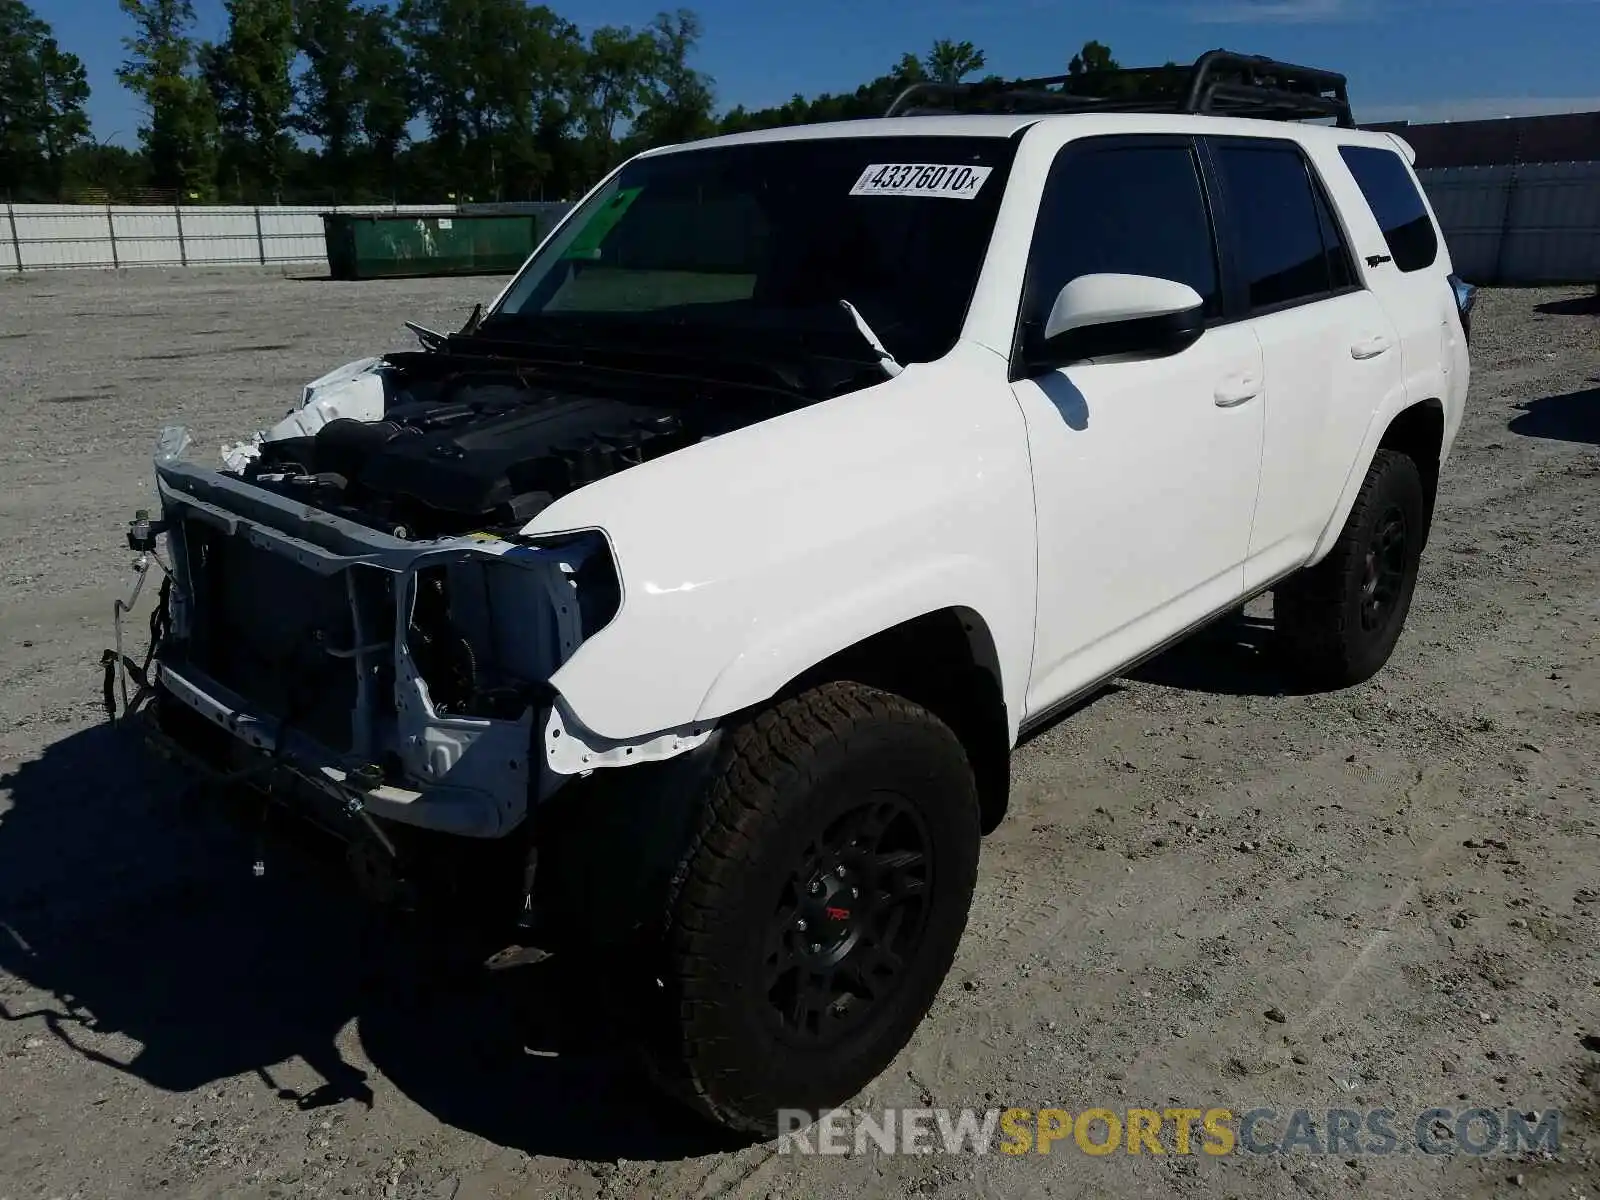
<point x="921" y="179"/>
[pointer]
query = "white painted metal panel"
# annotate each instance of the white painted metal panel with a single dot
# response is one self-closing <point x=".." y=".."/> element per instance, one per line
<point x="221" y="234"/>
<point x="82" y="235"/>
<point x="1530" y="224"/>
<point x="293" y="235"/>
<point x="146" y="237"/>
<point x="62" y="235"/>
<point x="8" y="244"/>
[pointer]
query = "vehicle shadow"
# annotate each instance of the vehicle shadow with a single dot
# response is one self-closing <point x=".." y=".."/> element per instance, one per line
<point x="1067" y="399"/>
<point x="1575" y="306"/>
<point x="137" y="913"/>
<point x="1232" y="656"/>
<point x="1574" y="417"/>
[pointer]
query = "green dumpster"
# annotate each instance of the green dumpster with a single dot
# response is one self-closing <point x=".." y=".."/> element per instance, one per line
<point x="394" y="244"/>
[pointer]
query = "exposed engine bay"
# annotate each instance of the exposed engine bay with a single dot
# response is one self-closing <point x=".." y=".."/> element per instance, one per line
<point x="446" y="443"/>
<point x="351" y="604"/>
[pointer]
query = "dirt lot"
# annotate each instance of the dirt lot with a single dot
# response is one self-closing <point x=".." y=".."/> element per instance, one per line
<point x="1406" y="872"/>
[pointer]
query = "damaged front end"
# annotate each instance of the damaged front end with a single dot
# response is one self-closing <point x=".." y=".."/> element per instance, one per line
<point x="406" y="680"/>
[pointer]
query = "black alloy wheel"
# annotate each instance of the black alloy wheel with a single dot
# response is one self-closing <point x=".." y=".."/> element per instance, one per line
<point x="849" y="917"/>
<point x="1339" y="620"/>
<point x="1384" y="569"/>
<point x="817" y="908"/>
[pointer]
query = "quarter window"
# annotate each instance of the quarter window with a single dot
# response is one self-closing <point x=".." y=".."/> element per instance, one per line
<point x="1135" y="210"/>
<point x="1281" y="232"/>
<point x="1341" y="273"/>
<point x="1396" y="203"/>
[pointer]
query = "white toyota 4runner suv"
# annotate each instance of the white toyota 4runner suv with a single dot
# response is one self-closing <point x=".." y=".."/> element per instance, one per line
<point x="689" y="601"/>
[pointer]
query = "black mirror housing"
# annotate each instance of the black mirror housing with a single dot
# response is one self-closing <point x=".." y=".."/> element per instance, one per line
<point x="1148" y="337"/>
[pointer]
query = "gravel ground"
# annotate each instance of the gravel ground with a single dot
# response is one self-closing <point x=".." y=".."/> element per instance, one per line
<point x="1405" y="873"/>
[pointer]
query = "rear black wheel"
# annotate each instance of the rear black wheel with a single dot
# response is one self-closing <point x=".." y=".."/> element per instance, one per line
<point x="1340" y="619"/>
<point x="1385" y="567"/>
<point x="819" y="906"/>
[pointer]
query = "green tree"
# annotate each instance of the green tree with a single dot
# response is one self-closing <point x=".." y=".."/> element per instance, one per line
<point x="179" y="134"/>
<point x="42" y="94"/>
<point x="616" y="75"/>
<point x="104" y="174"/>
<point x="678" y="98"/>
<point x="950" y="62"/>
<point x="382" y="91"/>
<point x="355" y="94"/>
<point x="248" y="75"/>
<point x="495" y="80"/>
<point x="20" y="91"/>
<point x="1093" y="60"/>
<point x="325" y="32"/>
<point x="65" y="124"/>
<point x="443" y="45"/>
<point x="1094" y="72"/>
<point x="869" y="100"/>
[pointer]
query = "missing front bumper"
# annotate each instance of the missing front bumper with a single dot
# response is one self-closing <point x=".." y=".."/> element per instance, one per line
<point x="301" y="637"/>
<point x="407" y="680"/>
<point x="260" y="755"/>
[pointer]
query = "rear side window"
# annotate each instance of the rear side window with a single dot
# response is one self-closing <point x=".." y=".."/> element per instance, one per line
<point x="1395" y="201"/>
<point x="1135" y="210"/>
<point x="1284" y="240"/>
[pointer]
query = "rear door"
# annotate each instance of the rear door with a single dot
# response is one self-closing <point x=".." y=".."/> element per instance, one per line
<point x="1329" y="348"/>
<point x="1409" y="273"/>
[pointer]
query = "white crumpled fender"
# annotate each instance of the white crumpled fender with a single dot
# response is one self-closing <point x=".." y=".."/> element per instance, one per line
<point x="748" y="558"/>
<point x="357" y="390"/>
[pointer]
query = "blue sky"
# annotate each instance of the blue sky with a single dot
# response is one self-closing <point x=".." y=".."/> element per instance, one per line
<point x="1422" y="59"/>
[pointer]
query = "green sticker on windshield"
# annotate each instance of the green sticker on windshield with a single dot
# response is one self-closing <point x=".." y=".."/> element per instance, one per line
<point x="587" y="243"/>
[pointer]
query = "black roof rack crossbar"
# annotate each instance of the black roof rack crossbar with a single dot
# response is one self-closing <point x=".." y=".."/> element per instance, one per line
<point x="1220" y="83"/>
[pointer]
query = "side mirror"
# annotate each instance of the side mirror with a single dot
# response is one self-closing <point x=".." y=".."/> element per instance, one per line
<point x="1096" y="316"/>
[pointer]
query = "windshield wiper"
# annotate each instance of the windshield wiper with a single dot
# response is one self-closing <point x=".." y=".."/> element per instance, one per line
<point x="891" y="366"/>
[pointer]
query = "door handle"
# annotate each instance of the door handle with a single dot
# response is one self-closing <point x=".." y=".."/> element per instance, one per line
<point x="1371" y="347"/>
<point x="1238" y="389"/>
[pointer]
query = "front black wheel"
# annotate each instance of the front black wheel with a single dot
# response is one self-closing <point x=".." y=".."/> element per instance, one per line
<point x="1340" y="619"/>
<point x="819" y="906"/>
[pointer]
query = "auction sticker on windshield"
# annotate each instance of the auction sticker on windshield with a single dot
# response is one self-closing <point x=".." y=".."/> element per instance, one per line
<point x="921" y="179"/>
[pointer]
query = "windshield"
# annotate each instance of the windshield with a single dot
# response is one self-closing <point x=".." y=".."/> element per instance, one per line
<point x="743" y="241"/>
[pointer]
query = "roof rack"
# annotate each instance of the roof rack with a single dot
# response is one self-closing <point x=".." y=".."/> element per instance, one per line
<point x="1220" y="83"/>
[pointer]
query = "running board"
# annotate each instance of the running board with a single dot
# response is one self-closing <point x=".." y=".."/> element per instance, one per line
<point x="1046" y="715"/>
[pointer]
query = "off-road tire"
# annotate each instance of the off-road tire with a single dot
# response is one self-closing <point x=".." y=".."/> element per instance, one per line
<point x="1330" y="629"/>
<point x="786" y="781"/>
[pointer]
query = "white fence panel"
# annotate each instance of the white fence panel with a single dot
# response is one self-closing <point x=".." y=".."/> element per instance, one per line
<point x="42" y="236"/>
<point x="146" y="237"/>
<point x="293" y="235"/>
<point x="63" y="235"/>
<point x="1530" y="224"/>
<point x="221" y="235"/>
